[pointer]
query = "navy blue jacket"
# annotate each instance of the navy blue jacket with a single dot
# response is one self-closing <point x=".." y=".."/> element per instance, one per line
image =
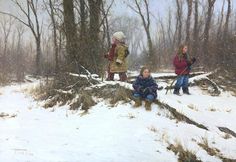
<point x="145" y="86"/>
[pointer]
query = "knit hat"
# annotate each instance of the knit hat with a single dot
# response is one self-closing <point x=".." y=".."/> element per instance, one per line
<point x="120" y="36"/>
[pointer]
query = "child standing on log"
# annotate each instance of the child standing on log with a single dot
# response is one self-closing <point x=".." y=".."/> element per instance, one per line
<point x="145" y="87"/>
<point x="182" y="66"/>
<point x="117" y="57"/>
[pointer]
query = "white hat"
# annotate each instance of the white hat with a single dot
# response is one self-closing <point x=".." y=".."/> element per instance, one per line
<point x="120" y="36"/>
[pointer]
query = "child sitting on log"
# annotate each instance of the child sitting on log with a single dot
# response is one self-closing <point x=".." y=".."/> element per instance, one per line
<point x="145" y="87"/>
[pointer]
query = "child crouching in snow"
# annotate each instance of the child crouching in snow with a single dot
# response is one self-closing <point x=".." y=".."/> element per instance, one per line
<point x="145" y="87"/>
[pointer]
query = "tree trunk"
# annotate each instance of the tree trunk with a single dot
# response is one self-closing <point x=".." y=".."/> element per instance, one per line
<point x="150" y="47"/>
<point x="219" y="31"/>
<point x="179" y="19"/>
<point x="225" y="36"/>
<point x="94" y="30"/>
<point x="83" y="16"/>
<point x="20" y="57"/>
<point x="54" y="36"/>
<point x="187" y="40"/>
<point x="38" y="56"/>
<point x="206" y="31"/>
<point x="71" y="34"/>
<point x="195" y="30"/>
<point x="169" y="32"/>
<point x="226" y="26"/>
<point x="83" y="35"/>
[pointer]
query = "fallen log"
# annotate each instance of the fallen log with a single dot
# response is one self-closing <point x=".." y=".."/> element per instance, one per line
<point x="167" y="76"/>
<point x="177" y="115"/>
<point x="206" y="84"/>
<point x="227" y="130"/>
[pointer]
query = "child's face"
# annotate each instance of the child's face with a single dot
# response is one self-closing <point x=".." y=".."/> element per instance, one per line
<point x="146" y="73"/>
<point x="185" y="49"/>
<point x="113" y="40"/>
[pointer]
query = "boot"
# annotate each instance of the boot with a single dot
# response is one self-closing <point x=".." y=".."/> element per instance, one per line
<point x="110" y="76"/>
<point x="148" y="105"/>
<point x="123" y="77"/>
<point x="137" y="103"/>
<point x="176" y="91"/>
<point x="186" y="91"/>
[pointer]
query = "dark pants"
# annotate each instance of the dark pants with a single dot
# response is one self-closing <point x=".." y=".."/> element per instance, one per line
<point x="122" y="75"/>
<point x="182" y="81"/>
<point x="148" y="97"/>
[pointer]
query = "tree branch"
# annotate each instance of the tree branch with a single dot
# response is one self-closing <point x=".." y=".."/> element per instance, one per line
<point x="15" y="17"/>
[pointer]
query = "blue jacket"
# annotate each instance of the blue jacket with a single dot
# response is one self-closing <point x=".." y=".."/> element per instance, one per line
<point x="145" y="86"/>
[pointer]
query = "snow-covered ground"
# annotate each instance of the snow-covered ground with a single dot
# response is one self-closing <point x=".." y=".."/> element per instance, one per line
<point x="113" y="134"/>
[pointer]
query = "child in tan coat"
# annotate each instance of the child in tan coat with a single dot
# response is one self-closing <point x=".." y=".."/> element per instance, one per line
<point x="117" y="57"/>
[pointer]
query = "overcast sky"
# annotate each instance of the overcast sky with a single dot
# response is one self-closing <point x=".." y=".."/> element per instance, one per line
<point x="120" y="7"/>
<point x="159" y="7"/>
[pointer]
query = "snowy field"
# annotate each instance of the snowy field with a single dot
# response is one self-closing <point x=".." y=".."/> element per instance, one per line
<point x="30" y="133"/>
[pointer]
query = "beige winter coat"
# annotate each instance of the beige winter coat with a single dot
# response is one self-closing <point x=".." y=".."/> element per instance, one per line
<point x="120" y="57"/>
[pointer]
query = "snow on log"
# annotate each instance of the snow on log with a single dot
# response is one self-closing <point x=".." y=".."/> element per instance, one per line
<point x="132" y="76"/>
<point x="205" y="84"/>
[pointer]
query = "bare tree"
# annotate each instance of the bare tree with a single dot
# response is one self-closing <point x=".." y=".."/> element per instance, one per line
<point x="189" y="2"/>
<point x="20" y="69"/>
<point x="51" y="12"/>
<point x="162" y="43"/>
<point x="221" y="17"/>
<point x="32" y="23"/>
<point x="70" y="33"/>
<point x="226" y="34"/>
<point x="105" y="22"/>
<point x="83" y="17"/>
<point x="146" y="24"/>
<point x="226" y="25"/>
<point x="6" y="25"/>
<point x="195" y="29"/>
<point x="179" y="4"/>
<point x="94" y="30"/>
<point x="206" y="30"/>
<point x="169" y="30"/>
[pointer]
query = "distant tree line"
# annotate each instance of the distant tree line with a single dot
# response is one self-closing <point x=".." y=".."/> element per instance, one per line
<point x="73" y="35"/>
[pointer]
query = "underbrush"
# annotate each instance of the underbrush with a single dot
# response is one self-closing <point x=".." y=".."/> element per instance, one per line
<point x="184" y="155"/>
<point x="78" y="92"/>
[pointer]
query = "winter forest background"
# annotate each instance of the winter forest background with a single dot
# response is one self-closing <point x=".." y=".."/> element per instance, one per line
<point x="50" y="37"/>
<point x="56" y="104"/>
